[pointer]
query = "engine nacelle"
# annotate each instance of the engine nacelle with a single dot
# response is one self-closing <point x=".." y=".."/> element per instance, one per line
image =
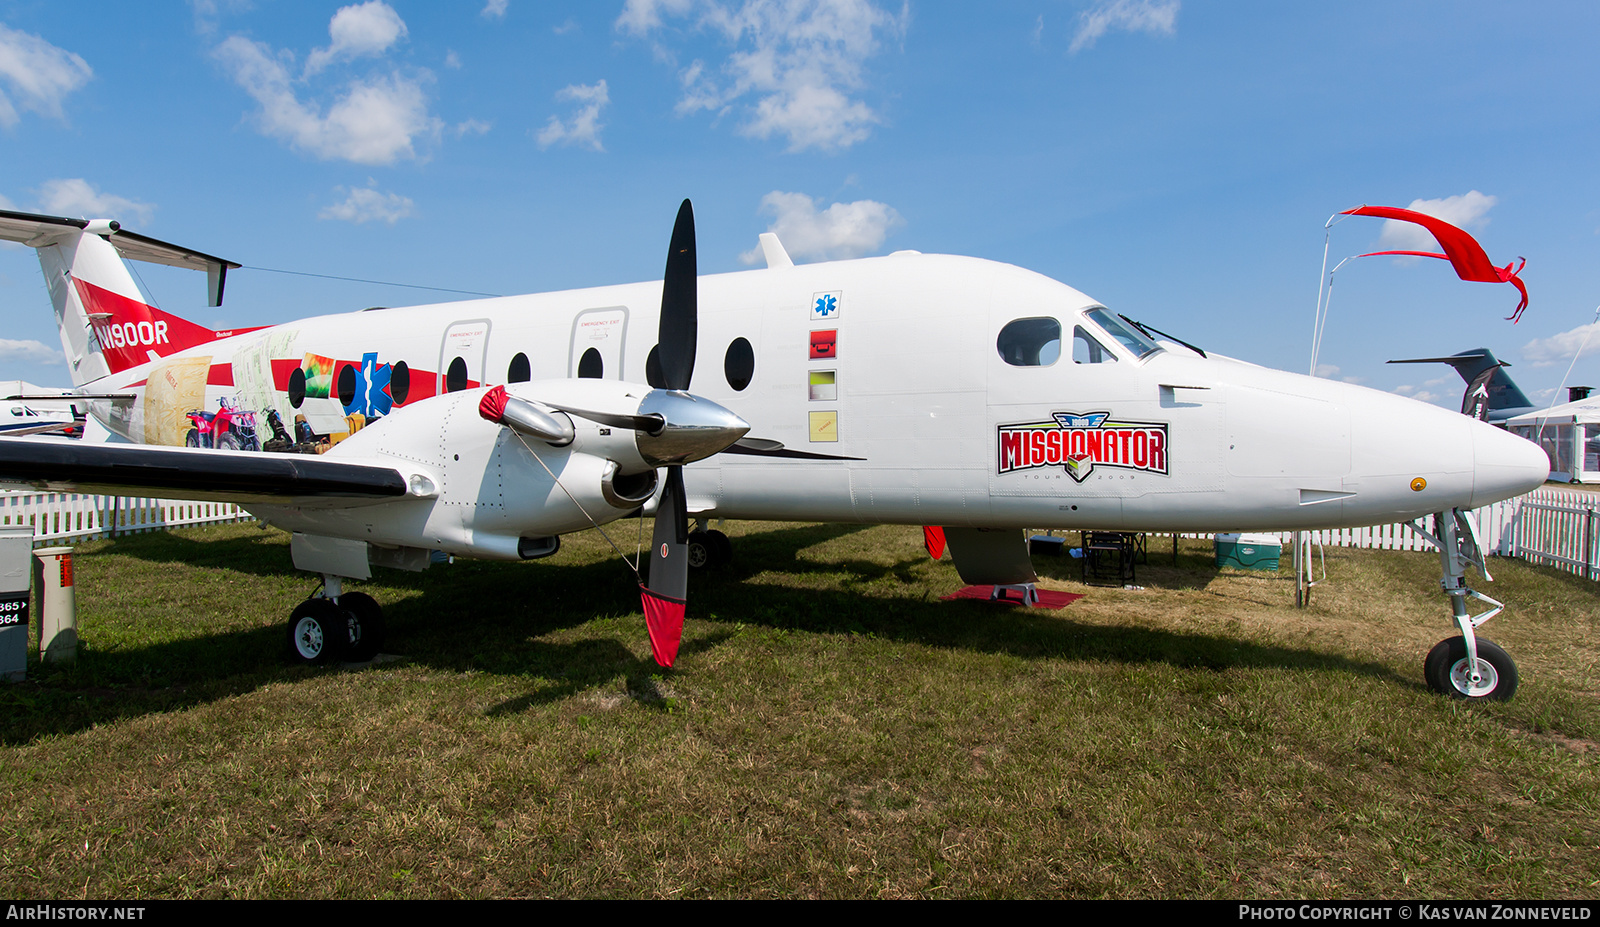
<point x="485" y="487"/>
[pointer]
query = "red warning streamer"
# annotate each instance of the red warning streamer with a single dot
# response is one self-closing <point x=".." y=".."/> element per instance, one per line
<point x="663" y="616"/>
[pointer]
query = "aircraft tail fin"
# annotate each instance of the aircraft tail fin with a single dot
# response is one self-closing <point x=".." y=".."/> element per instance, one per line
<point x="1491" y="395"/>
<point x="105" y="324"/>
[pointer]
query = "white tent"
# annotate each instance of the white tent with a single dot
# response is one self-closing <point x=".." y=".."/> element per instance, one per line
<point x="1569" y="434"/>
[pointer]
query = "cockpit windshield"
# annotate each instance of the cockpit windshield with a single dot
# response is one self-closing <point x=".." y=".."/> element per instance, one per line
<point x="1140" y="346"/>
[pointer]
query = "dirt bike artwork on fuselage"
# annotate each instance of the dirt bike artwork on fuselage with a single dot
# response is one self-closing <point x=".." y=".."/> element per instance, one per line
<point x="229" y="428"/>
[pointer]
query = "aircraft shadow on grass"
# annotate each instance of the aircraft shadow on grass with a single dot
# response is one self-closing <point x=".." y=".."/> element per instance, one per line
<point x="483" y="617"/>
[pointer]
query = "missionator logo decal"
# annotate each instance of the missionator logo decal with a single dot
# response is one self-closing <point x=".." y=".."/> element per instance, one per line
<point x="1081" y="441"/>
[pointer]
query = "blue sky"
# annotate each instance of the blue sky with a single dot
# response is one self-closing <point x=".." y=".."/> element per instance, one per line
<point x="1174" y="159"/>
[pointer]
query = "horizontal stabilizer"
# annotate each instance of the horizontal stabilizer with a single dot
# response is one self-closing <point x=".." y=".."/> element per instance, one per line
<point x="187" y="473"/>
<point x="38" y="231"/>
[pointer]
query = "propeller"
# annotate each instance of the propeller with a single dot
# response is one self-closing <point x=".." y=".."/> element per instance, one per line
<point x="664" y="597"/>
<point x="671" y="428"/>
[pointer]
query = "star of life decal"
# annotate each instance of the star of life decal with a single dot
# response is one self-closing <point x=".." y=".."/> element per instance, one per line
<point x="1081" y="442"/>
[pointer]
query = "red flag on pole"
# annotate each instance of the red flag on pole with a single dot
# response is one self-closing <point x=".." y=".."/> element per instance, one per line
<point x="1460" y="249"/>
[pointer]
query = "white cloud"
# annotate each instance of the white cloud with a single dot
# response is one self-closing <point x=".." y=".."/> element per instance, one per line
<point x="1417" y="393"/>
<point x="1158" y="17"/>
<point x="452" y="60"/>
<point x="494" y="9"/>
<point x="362" y="31"/>
<point x="78" y="198"/>
<point x="797" y="61"/>
<point x="28" y="352"/>
<point x="1556" y="349"/>
<point x="374" y="120"/>
<point x="843" y="230"/>
<point x="641" y="16"/>
<point x="1461" y="211"/>
<point x="36" y="75"/>
<point x="584" y="127"/>
<point x="471" y="127"/>
<point x="367" y="204"/>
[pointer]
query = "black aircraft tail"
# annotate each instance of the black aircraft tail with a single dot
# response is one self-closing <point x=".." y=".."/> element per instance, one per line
<point x="1490" y="395"/>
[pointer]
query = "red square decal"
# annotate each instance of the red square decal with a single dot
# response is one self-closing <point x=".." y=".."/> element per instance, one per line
<point x="824" y="344"/>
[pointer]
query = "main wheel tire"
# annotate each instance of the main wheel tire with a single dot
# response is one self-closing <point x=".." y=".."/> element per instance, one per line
<point x="368" y="631"/>
<point x="1447" y="671"/>
<point x="722" y="548"/>
<point x="700" y="551"/>
<point x="192" y="439"/>
<point x="319" y="632"/>
<point x="229" y="442"/>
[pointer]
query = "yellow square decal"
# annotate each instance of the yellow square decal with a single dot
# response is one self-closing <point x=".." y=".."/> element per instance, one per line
<point x="824" y="426"/>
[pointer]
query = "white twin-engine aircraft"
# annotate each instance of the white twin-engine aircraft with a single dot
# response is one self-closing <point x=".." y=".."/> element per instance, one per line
<point x="909" y="389"/>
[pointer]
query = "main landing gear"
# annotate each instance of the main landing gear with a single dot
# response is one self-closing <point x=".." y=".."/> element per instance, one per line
<point x="1466" y="667"/>
<point x="708" y="549"/>
<point x="331" y="627"/>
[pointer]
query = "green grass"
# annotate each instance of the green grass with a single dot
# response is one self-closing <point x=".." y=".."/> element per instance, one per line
<point x="832" y="729"/>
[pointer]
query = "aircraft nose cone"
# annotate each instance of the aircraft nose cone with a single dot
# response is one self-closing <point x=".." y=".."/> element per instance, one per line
<point x="694" y="428"/>
<point x="1504" y="465"/>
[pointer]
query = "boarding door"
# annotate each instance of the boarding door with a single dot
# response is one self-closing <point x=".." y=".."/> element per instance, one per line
<point x="462" y="355"/>
<point x="597" y="339"/>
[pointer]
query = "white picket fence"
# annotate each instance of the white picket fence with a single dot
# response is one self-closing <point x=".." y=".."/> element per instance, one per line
<point x="60" y="516"/>
<point x="1557" y="527"/>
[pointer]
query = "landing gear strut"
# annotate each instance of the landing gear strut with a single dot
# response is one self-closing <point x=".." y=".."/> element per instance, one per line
<point x="331" y="627"/>
<point x="1466" y="667"/>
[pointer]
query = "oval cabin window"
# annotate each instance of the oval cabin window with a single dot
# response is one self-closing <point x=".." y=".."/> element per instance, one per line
<point x="740" y="364"/>
<point x="455" y="378"/>
<point x="399" y="382"/>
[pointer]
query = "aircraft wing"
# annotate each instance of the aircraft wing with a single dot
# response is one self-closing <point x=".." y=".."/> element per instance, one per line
<point x="187" y="473"/>
<point x="50" y="428"/>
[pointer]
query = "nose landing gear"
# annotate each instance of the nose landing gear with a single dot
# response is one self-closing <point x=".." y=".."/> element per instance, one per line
<point x="1465" y="667"/>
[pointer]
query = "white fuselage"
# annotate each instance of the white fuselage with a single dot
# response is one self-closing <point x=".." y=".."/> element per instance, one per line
<point x="913" y="415"/>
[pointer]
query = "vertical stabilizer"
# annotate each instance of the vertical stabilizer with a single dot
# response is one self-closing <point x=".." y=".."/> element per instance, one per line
<point x="1491" y="395"/>
<point x="105" y="324"/>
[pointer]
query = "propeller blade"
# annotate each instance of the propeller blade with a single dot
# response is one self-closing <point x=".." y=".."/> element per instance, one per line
<point x="664" y="599"/>
<point x="679" y="329"/>
<point x="758" y="444"/>
<point x="650" y="424"/>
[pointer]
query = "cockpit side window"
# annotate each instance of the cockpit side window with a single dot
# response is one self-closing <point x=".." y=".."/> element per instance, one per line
<point x="1030" y="342"/>
<point x="1086" y="350"/>
<point x="1138" y="344"/>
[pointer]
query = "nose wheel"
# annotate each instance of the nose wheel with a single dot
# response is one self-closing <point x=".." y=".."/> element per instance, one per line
<point x="1450" y="673"/>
